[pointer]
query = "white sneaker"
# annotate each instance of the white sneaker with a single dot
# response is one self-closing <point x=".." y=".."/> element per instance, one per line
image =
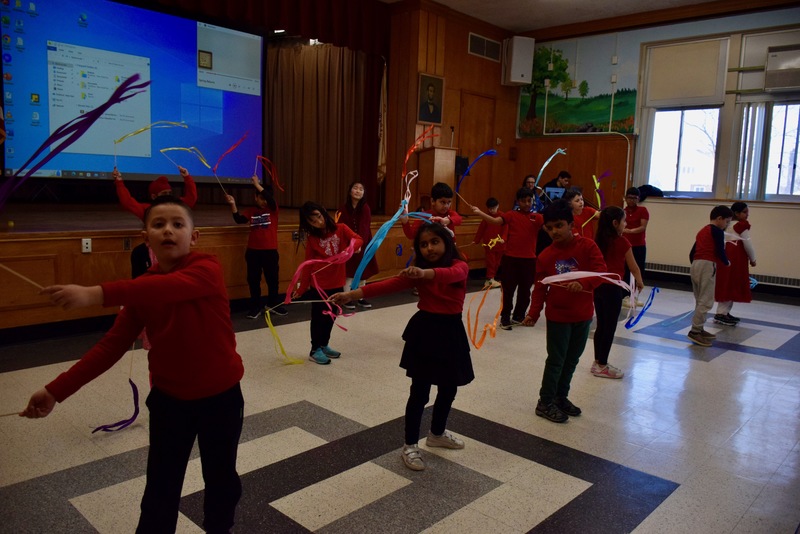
<point x="412" y="457"/>
<point x="446" y="440"/>
<point x="606" y="371"/>
<point x="626" y="302"/>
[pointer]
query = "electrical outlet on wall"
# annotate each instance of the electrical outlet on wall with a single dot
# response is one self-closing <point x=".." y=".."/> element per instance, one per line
<point x="86" y="245"/>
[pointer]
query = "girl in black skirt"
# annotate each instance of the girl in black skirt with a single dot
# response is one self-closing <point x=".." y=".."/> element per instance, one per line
<point x="437" y="348"/>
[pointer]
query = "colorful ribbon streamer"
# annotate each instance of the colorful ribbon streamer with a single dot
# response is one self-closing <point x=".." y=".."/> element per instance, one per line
<point x="231" y="149"/>
<point x="157" y="124"/>
<point x="277" y="341"/>
<point x="631" y="322"/>
<point x="192" y="150"/>
<point x="490" y="152"/>
<point x="425" y="135"/>
<point x="271" y="169"/>
<point x="753" y="282"/>
<point x="490" y="328"/>
<point x="67" y="134"/>
<point x="119" y="425"/>
<point x="546" y="163"/>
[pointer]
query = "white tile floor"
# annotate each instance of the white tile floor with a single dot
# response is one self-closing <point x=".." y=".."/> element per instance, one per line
<point x="722" y="423"/>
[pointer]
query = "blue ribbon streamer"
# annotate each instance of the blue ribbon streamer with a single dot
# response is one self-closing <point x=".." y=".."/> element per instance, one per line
<point x="490" y="152"/>
<point x="753" y="282"/>
<point x="380" y="235"/>
<point x="546" y="163"/>
<point x="630" y="323"/>
<point x="398" y="249"/>
<point x="409" y="260"/>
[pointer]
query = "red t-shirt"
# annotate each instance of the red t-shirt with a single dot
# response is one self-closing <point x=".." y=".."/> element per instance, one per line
<point x="410" y="227"/>
<point x="188" y="320"/>
<point x="333" y="276"/>
<point x="263" y="228"/>
<point x="443" y="294"/>
<point x="583" y="224"/>
<point x="523" y="229"/>
<point x="580" y="254"/>
<point x="615" y="256"/>
<point x="633" y="219"/>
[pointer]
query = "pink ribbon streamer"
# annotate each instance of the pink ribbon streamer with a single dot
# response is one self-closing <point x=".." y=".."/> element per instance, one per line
<point x="67" y="134"/>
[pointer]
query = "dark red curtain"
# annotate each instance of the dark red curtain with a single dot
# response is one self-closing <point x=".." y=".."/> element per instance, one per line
<point x="361" y="25"/>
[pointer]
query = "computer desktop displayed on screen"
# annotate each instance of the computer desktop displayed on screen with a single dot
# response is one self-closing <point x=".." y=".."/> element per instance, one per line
<point x="64" y="58"/>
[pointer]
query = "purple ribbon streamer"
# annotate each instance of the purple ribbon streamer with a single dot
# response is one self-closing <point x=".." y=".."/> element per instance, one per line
<point x="630" y="323"/>
<point x="68" y="133"/>
<point x="119" y="425"/>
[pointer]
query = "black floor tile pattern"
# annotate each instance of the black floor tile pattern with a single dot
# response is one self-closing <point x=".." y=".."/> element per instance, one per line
<point x="619" y="499"/>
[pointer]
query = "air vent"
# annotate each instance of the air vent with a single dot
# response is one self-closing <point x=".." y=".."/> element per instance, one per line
<point x="783" y="68"/>
<point x="762" y="279"/>
<point x="481" y="46"/>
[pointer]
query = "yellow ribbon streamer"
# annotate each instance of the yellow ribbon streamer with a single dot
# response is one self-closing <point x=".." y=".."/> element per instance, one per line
<point x="157" y="124"/>
<point x="277" y="342"/>
<point x="191" y="149"/>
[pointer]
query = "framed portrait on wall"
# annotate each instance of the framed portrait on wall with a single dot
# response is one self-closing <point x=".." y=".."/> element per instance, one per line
<point x="431" y="99"/>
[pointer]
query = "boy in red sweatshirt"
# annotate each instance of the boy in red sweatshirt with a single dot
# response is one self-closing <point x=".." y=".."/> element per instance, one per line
<point x="707" y="255"/>
<point x="194" y="367"/>
<point x="569" y="310"/>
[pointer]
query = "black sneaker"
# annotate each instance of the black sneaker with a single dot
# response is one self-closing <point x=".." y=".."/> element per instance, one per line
<point x="279" y="311"/>
<point x="567" y="407"/>
<point x="505" y="325"/>
<point x="253" y="314"/>
<point x="724" y="319"/>
<point x="364" y="304"/>
<point x="551" y="412"/>
<point x="732" y="318"/>
<point x="349" y="306"/>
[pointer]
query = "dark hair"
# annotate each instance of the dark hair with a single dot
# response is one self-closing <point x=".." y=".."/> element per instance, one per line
<point x="348" y="204"/>
<point x="305" y="212"/>
<point x="167" y="199"/>
<point x="569" y="194"/>
<point x="633" y="191"/>
<point x="524" y="192"/>
<point x="450" y="250"/>
<point x="441" y="190"/>
<point x="606" y="233"/>
<point x="266" y="196"/>
<point x="738" y="207"/>
<point x="564" y="174"/>
<point x="526" y="179"/>
<point x="492" y="202"/>
<point x="559" y="210"/>
<point x="721" y="211"/>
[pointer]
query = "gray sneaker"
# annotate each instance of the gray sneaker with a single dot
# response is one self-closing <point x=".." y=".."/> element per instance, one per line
<point x="446" y="440"/>
<point x="412" y="457"/>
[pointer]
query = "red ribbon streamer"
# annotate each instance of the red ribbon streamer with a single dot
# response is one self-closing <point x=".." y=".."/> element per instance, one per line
<point x="231" y="149"/>
<point x="270" y="168"/>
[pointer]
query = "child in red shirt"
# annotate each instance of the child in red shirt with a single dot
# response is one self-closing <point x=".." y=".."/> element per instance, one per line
<point x="441" y="200"/>
<point x="261" y="255"/>
<point x="437" y="347"/>
<point x="494" y="240"/>
<point x="582" y="216"/>
<point x="356" y="214"/>
<point x="733" y="283"/>
<point x="194" y="367"/>
<point x="608" y="297"/>
<point x="519" y="259"/>
<point x="325" y="238"/>
<point x="636" y="219"/>
<point x="569" y="308"/>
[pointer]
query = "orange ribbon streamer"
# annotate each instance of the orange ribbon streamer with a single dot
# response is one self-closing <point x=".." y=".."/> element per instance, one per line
<point x="491" y="328"/>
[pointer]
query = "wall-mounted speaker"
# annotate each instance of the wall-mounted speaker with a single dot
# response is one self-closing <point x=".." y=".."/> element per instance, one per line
<point x="518" y="60"/>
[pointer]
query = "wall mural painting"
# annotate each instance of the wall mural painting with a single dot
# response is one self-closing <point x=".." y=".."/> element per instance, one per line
<point x="579" y="86"/>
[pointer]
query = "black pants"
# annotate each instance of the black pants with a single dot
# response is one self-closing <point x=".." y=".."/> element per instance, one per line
<point x="420" y="394"/>
<point x="518" y="275"/>
<point x="216" y="422"/>
<point x="258" y="262"/>
<point x="640" y="255"/>
<point x="607" y="305"/>
<point x="321" y="323"/>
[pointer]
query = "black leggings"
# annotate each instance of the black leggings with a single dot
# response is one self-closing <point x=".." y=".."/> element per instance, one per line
<point x="420" y="394"/>
<point x="607" y="305"/>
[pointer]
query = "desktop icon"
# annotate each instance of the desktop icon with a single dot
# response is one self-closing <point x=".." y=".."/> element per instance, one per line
<point x="35" y="116"/>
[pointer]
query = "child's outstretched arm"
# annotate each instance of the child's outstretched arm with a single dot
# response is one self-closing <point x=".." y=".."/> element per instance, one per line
<point x="237" y="217"/>
<point x="256" y="183"/>
<point x="344" y="297"/>
<point x="74" y="296"/>
<point x="189" y="188"/>
<point x="486" y="217"/>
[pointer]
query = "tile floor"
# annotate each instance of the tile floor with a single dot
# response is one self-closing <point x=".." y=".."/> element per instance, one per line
<point x="695" y="440"/>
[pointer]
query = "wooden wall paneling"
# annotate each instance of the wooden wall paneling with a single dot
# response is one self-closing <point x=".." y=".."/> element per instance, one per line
<point x="477" y="136"/>
<point x="430" y="43"/>
<point x="19" y="294"/>
<point x="441" y="33"/>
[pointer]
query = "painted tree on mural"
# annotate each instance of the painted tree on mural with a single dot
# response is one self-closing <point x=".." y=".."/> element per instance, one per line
<point x="542" y="60"/>
<point x="583" y="88"/>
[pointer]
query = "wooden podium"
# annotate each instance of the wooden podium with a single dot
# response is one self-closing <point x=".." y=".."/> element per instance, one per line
<point x="435" y="164"/>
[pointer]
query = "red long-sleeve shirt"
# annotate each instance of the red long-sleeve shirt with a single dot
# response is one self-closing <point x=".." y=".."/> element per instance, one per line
<point x="263" y="227"/>
<point x="580" y="254"/>
<point x="523" y="230"/>
<point x="442" y="294"/>
<point x="128" y="203"/>
<point x="333" y="276"/>
<point x="187" y="316"/>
